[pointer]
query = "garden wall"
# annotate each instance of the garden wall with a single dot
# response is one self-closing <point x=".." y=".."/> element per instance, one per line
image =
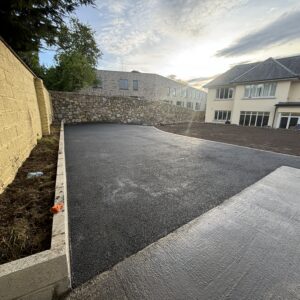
<point x="25" y="113"/>
<point x="80" y="108"/>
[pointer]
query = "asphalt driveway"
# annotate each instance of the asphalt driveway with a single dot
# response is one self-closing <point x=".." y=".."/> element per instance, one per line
<point x="130" y="185"/>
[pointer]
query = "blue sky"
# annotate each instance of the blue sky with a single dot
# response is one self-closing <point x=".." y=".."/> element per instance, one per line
<point x="191" y="38"/>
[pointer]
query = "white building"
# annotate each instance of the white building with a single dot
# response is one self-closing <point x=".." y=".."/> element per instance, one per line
<point x="150" y="87"/>
<point x="264" y="93"/>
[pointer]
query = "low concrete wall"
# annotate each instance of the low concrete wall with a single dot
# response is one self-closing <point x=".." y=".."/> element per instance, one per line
<point x="79" y="108"/>
<point x="45" y="275"/>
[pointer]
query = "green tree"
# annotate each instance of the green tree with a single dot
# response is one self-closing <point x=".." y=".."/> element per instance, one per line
<point x="26" y="24"/>
<point x="72" y="72"/>
<point x="80" y="38"/>
<point x="76" y="59"/>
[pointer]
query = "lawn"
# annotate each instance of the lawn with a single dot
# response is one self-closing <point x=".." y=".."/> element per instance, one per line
<point x="277" y="140"/>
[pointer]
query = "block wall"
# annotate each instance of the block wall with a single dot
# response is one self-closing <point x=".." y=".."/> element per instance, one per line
<point x="25" y="113"/>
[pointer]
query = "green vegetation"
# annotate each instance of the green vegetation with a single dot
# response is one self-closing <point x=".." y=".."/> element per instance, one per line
<point x="72" y="72"/>
<point x="28" y="26"/>
<point x="76" y="59"/>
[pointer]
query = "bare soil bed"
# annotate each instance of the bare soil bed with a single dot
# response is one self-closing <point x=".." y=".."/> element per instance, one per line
<point x="277" y="140"/>
<point x="25" y="218"/>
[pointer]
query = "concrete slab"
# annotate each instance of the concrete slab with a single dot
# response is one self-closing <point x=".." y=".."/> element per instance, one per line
<point x="128" y="186"/>
<point x="246" y="248"/>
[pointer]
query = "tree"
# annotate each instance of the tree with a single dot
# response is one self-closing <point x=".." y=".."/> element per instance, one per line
<point x="25" y="24"/>
<point x="76" y="59"/>
<point x="72" y="72"/>
<point x="80" y="38"/>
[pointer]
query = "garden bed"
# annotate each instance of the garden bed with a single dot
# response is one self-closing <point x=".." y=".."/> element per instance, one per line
<point x="25" y="217"/>
<point x="277" y="140"/>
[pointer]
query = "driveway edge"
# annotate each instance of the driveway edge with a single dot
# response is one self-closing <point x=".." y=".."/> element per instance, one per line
<point x="45" y="275"/>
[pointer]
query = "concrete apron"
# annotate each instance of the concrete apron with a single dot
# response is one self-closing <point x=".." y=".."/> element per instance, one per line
<point x="246" y="248"/>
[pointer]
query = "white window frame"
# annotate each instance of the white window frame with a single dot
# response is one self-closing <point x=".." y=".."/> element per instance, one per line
<point x="220" y="113"/>
<point x="260" y="91"/>
<point x="289" y="116"/>
<point x="223" y="93"/>
<point x="256" y="114"/>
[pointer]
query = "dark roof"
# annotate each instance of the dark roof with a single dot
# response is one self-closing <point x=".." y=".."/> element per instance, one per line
<point x="287" y="104"/>
<point x="270" y="69"/>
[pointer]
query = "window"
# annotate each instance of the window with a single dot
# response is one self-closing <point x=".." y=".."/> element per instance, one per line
<point x="189" y="105"/>
<point x="123" y="84"/>
<point x="169" y="91"/>
<point x="135" y="85"/>
<point x="197" y="106"/>
<point x="289" y="120"/>
<point x="263" y="90"/>
<point x="254" y="118"/>
<point x="222" y="115"/>
<point x="180" y="103"/>
<point x="224" y="93"/>
<point x="174" y="92"/>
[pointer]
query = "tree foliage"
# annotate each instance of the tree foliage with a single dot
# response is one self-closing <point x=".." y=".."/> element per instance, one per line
<point x="80" y="38"/>
<point x="72" y="72"/>
<point x="25" y="24"/>
<point x="76" y="59"/>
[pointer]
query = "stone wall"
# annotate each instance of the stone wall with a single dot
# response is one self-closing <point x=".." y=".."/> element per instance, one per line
<point x="79" y="108"/>
<point x="25" y="113"/>
<point x="150" y="87"/>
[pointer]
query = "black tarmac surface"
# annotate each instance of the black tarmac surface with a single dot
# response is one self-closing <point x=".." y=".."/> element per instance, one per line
<point x="245" y="248"/>
<point x="130" y="185"/>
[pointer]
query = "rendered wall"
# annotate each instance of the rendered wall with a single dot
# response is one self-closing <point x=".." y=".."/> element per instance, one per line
<point x="283" y="89"/>
<point x="294" y="93"/>
<point x="21" y="109"/>
<point x="150" y="87"/>
<point x="80" y="108"/>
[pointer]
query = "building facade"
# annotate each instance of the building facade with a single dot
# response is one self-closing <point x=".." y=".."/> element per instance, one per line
<point x="258" y="94"/>
<point x="149" y="87"/>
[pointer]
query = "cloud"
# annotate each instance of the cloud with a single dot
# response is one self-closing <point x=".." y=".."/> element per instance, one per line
<point x="131" y="26"/>
<point x="284" y="29"/>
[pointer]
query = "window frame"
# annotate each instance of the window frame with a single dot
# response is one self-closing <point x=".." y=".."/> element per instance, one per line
<point x="225" y="93"/>
<point x="120" y="86"/>
<point x="133" y="85"/>
<point x="267" y="90"/>
<point x="248" y="116"/>
<point x="223" y="114"/>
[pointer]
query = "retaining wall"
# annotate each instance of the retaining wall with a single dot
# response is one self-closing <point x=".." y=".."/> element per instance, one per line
<point x="80" y="108"/>
<point x="45" y="275"/>
<point x="25" y="113"/>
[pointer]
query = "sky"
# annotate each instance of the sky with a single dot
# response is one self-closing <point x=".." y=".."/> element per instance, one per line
<point x="192" y="39"/>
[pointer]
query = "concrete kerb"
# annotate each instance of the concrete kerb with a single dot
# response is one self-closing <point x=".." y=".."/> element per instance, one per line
<point x="45" y="275"/>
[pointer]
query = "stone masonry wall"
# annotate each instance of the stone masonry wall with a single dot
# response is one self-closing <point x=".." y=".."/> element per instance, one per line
<point x="24" y="114"/>
<point x="80" y="108"/>
<point x="150" y="87"/>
